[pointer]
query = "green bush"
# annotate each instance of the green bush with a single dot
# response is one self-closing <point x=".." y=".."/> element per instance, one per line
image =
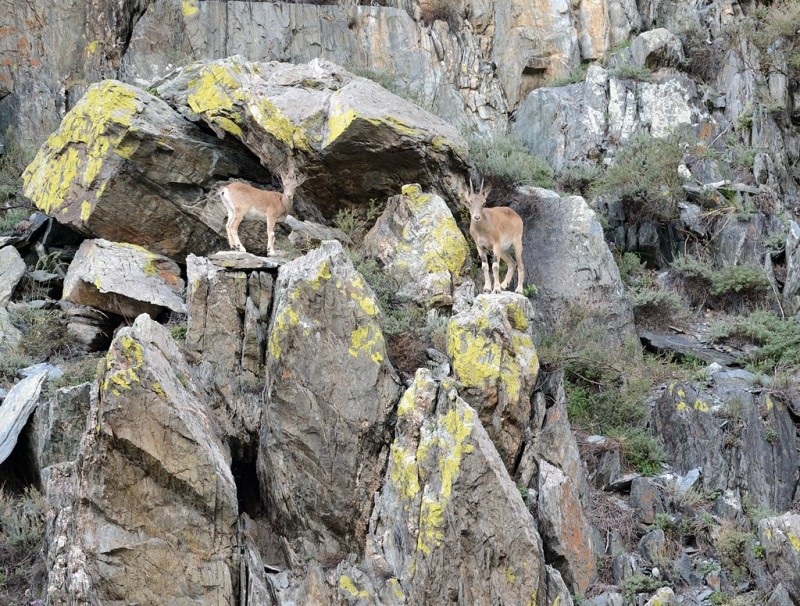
<point x="778" y="338"/>
<point x="729" y="287"/>
<point x="644" y="177"/>
<point x="632" y="72"/>
<point x="506" y="158"/>
<point x="654" y="308"/>
<point x="577" y="179"/>
<point x="773" y="30"/>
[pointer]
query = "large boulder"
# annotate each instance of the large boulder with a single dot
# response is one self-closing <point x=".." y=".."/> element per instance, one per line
<point x="330" y="389"/>
<point x="494" y="359"/>
<point x="566" y="256"/>
<point x="123" y="279"/>
<point x="154" y="516"/>
<point x="358" y="140"/>
<point x="124" y="166"/>
<point x="449" y="524"/>
<point x="417" y="240"/>
<point x="741" y="438"/>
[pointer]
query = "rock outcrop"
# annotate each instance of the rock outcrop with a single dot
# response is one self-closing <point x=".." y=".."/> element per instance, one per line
<point x="154" y="513"/>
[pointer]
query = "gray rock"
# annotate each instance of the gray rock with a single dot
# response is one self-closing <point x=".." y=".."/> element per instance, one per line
<point x="321" y="455"/>
<point x="567" y="258"/>
<point x="780" y="537"/>
<point x="665" y="596"/>
<point x="18" y="405"/>
<point x="646" y="499"/>
<point x="61" y="424"/>
<point x="326" y="113"/>
<point x="625" y="566"/>
<point x="609" y="598"/>
<point x="780" y="596"/>
<point x="10" y="335"/>
<point x="652" y="545"/>
<point x="657" y="48"/>
<point x="124" y="279"/>
<point x="12" y="269"/>
<point x="417" y="240"/>
<point x="740" y="439"/>
<point x="565" y="528"/>
<point x="154" y="513"/>
<point x="51" y="371"/>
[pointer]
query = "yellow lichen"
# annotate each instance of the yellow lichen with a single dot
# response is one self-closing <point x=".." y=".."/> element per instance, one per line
<point x="130" y="361"/>
<point x="700" y="406"/>
<point x="360" y="296"/>
<point x="431" y="521"/>
<point x="794" y="541"/>
<point x="189" y="8"/>
<point x="323" y="274"/>
<point x="397" y="591"/>
<point x="349" y="586"/>
<point x="156" y="387"/>
<point x="367" y="339"/>
<point x="91" y="48"/>
<point x="403" y="472"/>
<point x="272" y="120"/>
<point x="86" y="210"/>
<point x="338" y="121"/>
<point x="681" y="406"/>
<point x="286" y="319"/>
<point x="509" y="575"/>
<point x="406" y="406"/>
<point x="768" y="402"/>
<point x="214" y="94"/>
<point x="479" y="362"/>
<point x="73" y="157"/>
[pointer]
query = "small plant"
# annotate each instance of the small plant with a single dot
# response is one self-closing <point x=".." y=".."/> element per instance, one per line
<point x="665" y="522"/>
<point x="22" y="527"/>
<point x="640" y="449"/>
<point x="577" y="179"/>
<point x="178" y="332"/>
<point x="771" y="435"/>
<point x="729" y="287"/>
<point x="628" y="71"/>
<point x="718" y="598"/>
<point x="576" y="75"/>
<point x="11" y="217"/>
<point x="759" y="552"/>
<point x="506" y="158"/>
<point x="442" y="10"/>
<point x="778" y="339"/>
<point x="640" y="584"/>
<point x="530" y="290"/>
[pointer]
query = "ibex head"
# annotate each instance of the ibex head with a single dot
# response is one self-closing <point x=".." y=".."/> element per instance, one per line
<point x="476" y="200"/>
<point x="290" y="180"/>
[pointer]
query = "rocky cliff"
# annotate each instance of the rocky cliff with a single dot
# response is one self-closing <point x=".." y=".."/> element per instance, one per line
<point x="348" y="422"/>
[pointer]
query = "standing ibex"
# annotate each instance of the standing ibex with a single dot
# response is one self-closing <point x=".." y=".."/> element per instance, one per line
<point x="497" y="229"/>
<point x="242" y="200"/>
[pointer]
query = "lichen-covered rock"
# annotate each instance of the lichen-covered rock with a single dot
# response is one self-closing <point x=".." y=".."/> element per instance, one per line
<point x="449" y="524"/>
<point x="123" y="279"/>
<point x="495" y="361"/>
<point x="358" y="140"/>
<point x="780" y="537"/>
<point x="126" y="167"/>
<point x="420" y="246"/>
<point x="10" y="335"/>
<point x="567" y="257"/>
<point x="12" y="268"/>
<point x="330" y="390"/>
<point x="743" y="439"/>
<point x="154" y="518"/>
<point x="663" y="597"/>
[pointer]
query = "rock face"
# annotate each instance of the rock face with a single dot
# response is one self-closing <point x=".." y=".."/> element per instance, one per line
<point x="124" y="279"/>
<point x="126" y="167"/>
<point x="491" y="348"/>
<point x="154" y="516"/>
<point x="567" y="258"/>
<point x="331" y="389"/>
<point x="743" y="442"/>
<point x="780" y="537"/>
<point x="420" y="246"/>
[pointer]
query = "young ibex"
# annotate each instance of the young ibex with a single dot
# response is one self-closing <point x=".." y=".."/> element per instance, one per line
<point x="497" y="229"/>
<point x="242" y="200"/>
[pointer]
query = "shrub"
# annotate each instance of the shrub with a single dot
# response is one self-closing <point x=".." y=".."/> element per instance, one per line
<point x="442" y="10"/>
<point x="729" y="287"/>
<point x="506" y="158"/>
<point x="12" y="162"/>
<point x="578" y="178"/>
<point x="627" y="71"/>
<point x="773" y="30"/>
<point x="655" y="308"/>
<point x="644" y="177"/>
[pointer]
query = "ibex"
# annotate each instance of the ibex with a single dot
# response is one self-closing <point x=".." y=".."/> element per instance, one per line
<point x="242" y="200"/>
<point x="497" y="229"/>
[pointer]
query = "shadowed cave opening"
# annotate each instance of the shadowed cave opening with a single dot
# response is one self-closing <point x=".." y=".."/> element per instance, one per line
<point x="243" y="468"/>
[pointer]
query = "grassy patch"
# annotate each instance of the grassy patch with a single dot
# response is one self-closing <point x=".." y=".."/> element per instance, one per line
<point x="632" y="72"/>
<point x="778" y="339"/>
<point x="506" y="159"/>
<point x="732" y="287"/>
<point x="773" y="30"/>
